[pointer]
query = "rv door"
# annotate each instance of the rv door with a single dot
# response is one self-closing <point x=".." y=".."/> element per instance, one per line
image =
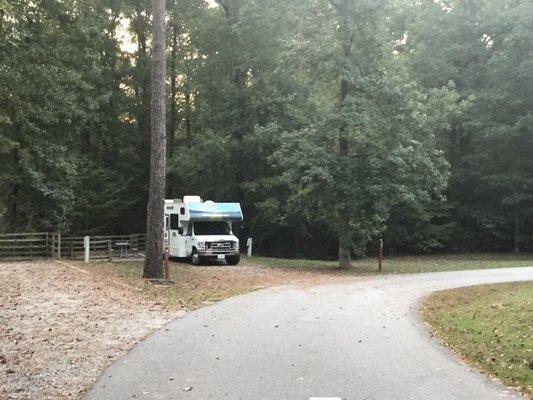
<point x="174" y="235"/>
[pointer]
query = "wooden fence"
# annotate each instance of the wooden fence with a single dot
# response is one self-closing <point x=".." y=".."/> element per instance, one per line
<point x="24" y="245"/>
<point x="45" y="244"/>
<point x="99" y="246"/>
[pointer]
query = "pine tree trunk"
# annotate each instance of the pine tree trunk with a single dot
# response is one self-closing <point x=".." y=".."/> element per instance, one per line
<point x="153" y="265"/>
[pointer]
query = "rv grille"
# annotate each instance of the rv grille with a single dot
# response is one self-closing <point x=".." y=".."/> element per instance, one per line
<point x="219" y="245"/>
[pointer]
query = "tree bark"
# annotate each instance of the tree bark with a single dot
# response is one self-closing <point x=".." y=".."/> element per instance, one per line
<point x="153" y="265"/>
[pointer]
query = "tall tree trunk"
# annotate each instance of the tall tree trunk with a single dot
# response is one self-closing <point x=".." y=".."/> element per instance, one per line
<point x="516" y="233"/>
<point x="344" y="214"/>
<point x="153" y="265"/>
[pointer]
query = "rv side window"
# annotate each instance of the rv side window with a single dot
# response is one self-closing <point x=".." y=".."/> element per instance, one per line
<point x="182" y="210"/>
<point x="174" y="222"/>
<point x="189" y="229"/>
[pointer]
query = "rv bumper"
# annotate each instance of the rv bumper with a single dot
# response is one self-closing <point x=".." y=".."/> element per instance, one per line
<point x="210" y="253"/>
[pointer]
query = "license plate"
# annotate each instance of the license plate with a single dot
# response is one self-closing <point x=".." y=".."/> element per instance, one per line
<point x="221" y="256"/>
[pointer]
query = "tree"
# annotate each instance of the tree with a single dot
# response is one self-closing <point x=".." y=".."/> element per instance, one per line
<point x="370" y="143"/>
<point x="482" y="49"/>
<point x="153" y="265"/>
<point x="331" y="121"/>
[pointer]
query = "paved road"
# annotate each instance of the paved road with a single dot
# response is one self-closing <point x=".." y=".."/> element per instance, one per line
<point x="356" y="340"/>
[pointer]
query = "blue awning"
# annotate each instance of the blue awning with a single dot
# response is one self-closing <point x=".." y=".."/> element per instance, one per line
<point x="209" y="211"/>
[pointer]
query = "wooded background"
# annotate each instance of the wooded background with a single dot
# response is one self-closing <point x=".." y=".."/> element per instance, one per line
<point x="410" y="120"/>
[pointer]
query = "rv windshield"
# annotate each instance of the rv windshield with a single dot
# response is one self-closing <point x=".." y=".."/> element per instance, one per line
<point x="211" y="228"/>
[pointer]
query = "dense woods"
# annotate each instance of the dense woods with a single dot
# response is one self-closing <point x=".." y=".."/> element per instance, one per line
<point x="333" y="122"/>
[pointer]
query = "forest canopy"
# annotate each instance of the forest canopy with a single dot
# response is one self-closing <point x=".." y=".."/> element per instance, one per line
<point x="328" y="120"/>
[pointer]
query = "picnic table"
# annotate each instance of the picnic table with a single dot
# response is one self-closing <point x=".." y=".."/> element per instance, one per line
<point x="124" y="249"/>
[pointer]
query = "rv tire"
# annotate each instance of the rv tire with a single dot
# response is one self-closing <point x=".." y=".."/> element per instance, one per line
<point x="195" y="258"/>
<point x="233" y="260"/>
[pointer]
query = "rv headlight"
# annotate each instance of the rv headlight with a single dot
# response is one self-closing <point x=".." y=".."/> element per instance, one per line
<point x="236" y="245"/>
<point x="201" y="245"/>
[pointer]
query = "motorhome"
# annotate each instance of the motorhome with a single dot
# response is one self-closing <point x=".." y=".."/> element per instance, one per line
<point x="202" y="230"/>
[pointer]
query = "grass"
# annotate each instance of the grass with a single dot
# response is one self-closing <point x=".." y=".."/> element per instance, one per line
<point x="405" y="265"/>
<point x="490" y="327"/>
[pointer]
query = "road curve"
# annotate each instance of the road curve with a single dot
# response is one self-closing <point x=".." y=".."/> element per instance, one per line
<point x="354" y="340"/>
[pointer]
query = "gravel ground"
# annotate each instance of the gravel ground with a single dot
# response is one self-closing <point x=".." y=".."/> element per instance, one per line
<point x="61" y="326"/>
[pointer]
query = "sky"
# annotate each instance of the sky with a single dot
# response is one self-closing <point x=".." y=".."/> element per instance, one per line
<point x="126" y="41"/>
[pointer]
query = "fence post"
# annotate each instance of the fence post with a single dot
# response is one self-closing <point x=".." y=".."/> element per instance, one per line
<point x="59" y="245"/>
<point x="46" y="245"/>
<point x="249" y="247"/>
<point x="86" y="244"/>
<point x="71" y="249"/>
<point x="109" y="251"/>
<point x="53" y="245"/>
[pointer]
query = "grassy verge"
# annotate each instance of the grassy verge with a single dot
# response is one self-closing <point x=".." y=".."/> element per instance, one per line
<point x="490" y="327"/>
<point x="404" y="265"/>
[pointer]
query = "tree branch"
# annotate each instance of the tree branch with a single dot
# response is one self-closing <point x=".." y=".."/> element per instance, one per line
<point x="222" y="3"/>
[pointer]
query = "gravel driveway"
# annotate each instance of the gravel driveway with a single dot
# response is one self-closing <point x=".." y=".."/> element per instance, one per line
<point x="60" y="326"/>
<point x="350" y="340"/>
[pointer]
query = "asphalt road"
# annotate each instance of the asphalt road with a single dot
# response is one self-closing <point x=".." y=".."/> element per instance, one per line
<point x="358" y="340"/>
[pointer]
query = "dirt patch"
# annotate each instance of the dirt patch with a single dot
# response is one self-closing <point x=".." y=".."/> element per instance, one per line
<point x="60" y="327"/>
<point x="198" y="286"/>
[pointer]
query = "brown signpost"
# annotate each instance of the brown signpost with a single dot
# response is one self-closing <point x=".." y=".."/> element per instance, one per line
<point x="380" y="257"/>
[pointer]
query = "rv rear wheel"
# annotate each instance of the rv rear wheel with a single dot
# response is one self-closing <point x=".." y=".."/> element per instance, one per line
<point x="233" y="260"/>
<point x="195" y="258"/>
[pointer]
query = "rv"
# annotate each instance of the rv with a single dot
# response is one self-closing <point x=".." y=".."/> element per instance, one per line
<point x="202" y="230"/>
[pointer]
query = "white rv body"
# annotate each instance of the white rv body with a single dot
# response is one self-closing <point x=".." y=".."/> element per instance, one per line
<point x="201" y="230"/>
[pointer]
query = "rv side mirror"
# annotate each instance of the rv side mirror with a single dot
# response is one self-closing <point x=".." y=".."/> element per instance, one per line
<point x="180" y="230"/>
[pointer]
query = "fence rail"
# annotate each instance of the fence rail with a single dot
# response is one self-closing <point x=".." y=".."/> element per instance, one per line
<point x="24" y="245"/>
<point x="44" y="244"/>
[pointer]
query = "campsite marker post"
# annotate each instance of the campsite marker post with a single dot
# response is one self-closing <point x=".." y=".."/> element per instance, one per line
<point x="249" y="247"/>
<point x="380" y="258"/>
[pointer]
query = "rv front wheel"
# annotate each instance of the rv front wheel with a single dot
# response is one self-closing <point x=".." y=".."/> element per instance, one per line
<point x="195" y="258"/>
<point x="233" y="260"/>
